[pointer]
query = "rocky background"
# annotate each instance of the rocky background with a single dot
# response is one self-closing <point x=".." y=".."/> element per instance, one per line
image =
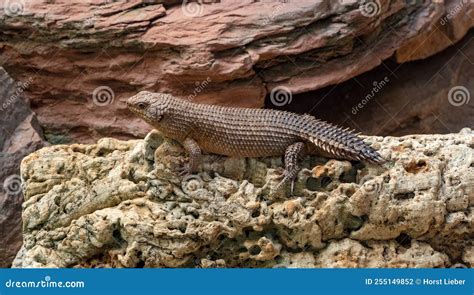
<point x="86" y="57"/>
<point x="383" y="67"/>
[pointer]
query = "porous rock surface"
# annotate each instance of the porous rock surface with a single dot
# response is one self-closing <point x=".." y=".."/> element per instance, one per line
<point x="121" y="204"/>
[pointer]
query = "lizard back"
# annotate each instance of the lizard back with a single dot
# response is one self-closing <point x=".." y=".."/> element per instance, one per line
<point x="235" y="132"/>
<point x="245" y="132"/>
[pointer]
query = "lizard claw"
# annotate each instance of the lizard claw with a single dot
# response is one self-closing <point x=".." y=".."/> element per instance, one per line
<point x="284" y="182"/>
<point x="184" y="170"/>
<point x="284" y="178"/>
<point x="283" y="174"/>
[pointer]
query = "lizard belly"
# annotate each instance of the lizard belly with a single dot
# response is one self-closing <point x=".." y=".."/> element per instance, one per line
<point x="248" y="145"/>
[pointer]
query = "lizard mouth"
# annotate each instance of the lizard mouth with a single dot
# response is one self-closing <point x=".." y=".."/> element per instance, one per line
<point x="145" y="115"/>
<point x="151" y="116"/>
<point x="156" y="118"/>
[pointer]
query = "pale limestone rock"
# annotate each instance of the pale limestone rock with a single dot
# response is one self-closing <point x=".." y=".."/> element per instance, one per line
<point x="350" y="253"/>
<point x="121" y="204"/>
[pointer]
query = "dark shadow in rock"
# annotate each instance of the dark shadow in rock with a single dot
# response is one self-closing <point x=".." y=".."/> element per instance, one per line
<point x="20" y="134"/>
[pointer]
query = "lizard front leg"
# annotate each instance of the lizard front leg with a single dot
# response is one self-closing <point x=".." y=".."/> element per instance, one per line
<point x="293" y="154"/>
<point x="195" y="153"/>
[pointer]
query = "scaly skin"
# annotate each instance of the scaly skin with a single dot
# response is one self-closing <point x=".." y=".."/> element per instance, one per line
<point x="245" y="132"/>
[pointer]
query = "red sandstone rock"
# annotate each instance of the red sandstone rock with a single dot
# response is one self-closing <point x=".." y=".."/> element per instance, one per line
<point x="231" y="53"/>
<point x="20" y="135"/>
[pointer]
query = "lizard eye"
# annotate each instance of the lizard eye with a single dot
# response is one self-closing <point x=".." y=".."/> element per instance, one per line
<point x="141" y="105"/>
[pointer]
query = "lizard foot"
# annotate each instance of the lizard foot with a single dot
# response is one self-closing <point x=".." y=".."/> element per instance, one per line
<point x="283" y="183"/>
<point x="184" y="170"/>
<point x="285" y="178"/>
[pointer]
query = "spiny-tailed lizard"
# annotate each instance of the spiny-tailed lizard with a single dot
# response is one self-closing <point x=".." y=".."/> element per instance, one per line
<point x="247" y="132"/>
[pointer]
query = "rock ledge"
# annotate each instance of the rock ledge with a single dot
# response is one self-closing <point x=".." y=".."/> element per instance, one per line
<point x="119" y="204"/>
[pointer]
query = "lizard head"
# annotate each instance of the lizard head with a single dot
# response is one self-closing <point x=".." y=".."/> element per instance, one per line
<point x="149" y="106"/>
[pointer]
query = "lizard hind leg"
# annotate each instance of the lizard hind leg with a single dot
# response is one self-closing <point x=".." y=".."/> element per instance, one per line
<point x="293" y="154"/>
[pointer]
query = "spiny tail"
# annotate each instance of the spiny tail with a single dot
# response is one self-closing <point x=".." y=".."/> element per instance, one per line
<point x="339" y="142"/>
